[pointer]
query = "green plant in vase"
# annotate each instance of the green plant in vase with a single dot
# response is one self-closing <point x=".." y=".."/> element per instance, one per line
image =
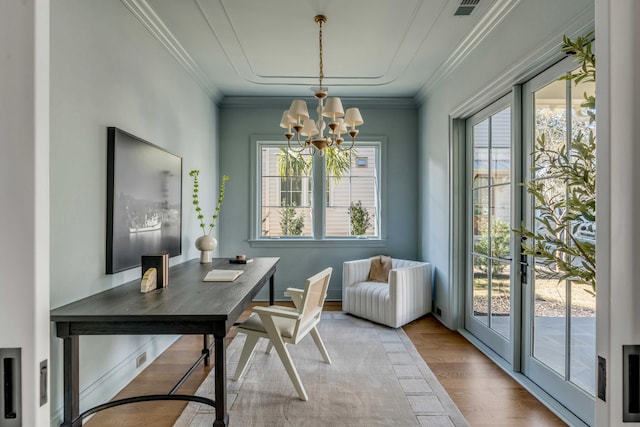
<point x="206" y="243"/>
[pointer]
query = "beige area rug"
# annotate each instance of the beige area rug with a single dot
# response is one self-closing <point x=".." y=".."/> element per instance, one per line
<point x="377" y="378"/>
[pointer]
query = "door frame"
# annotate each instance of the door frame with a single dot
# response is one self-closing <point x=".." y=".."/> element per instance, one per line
<point x="504" y="347"/>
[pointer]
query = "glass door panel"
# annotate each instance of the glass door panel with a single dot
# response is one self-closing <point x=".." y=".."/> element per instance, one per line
<point x="559" y="334"/>
<point x="488" y="313"/>
<point x="481" y="154"/>
<point x="500" y="220"/>
<point x="501" y="147"/>
<point x="480" y="290"/>
<point x="550" y="323"/>
<point x="582" y="337"/>
<point x="582" y="314"/>
<point x="480" y="220"/>
<point x="501" y="298"/>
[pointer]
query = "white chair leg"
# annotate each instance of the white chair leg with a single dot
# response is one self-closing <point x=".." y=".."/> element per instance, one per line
<point x="323" y="350"/>
<point x="285" y="356"/>
<point x="247" y="351"/>
<point x="270" y="347"/>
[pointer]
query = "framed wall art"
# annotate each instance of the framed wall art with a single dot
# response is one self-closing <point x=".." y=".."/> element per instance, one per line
<point x="144" y="200"/>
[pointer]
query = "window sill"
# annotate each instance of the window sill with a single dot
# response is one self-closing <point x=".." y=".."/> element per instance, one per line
<point x="309" y="243"/>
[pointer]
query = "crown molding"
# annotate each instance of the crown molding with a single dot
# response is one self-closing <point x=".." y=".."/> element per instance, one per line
<point x="152" y="22"/>
<point x="283" y="102"/>
<point x="526" y="68"/>
<point x="498" y="11"/>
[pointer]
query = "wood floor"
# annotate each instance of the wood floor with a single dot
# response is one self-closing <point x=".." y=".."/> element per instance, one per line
<point x="485" y="395"/>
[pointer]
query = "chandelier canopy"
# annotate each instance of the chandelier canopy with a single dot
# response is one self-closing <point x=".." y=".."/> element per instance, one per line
<point x="310" y="133"/>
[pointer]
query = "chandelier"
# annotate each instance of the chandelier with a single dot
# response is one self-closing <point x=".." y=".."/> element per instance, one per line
<point x="310" y="133"/>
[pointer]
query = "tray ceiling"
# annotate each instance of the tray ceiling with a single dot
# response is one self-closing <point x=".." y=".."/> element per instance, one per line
<point x="386" y="48"/>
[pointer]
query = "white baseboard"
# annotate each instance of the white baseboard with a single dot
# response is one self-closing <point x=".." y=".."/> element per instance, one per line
<point x="116" y="378"/>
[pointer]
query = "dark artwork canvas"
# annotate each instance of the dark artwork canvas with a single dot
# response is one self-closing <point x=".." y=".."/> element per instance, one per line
<point x="144" y="195"/>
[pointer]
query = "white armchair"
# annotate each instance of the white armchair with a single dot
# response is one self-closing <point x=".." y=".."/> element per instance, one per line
<point x="404" y="298"/>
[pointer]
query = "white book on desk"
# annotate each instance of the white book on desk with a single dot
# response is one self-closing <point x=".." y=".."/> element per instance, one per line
<point x="222" y="275"/>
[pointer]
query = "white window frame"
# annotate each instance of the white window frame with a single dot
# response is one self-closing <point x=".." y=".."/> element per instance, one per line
<point x="378" y="146"/>
<point x="318" y="199"/>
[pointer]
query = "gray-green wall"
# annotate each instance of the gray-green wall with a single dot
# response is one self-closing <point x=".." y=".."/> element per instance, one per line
<point x="397" y="121"/>
<point x="516" y="49"/>
<point x="108" y="70"/>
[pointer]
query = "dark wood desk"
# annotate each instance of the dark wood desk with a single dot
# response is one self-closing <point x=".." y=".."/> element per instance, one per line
<point x="187" y="306"/>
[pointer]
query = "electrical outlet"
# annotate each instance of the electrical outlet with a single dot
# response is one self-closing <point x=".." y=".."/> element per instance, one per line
<point x="43" y="382"/>
<point x="438" y="311"/>
<point x="140" y="360"/>
<point x="10" y="387"/>
<point x="602" y="378"/>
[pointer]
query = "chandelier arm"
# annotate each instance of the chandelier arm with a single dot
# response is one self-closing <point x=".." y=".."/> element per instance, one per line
<point x="353" y="142"/>
<point x="296" y="150"/>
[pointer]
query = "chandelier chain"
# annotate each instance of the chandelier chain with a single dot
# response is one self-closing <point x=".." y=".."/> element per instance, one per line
<point x="321" y="64"/>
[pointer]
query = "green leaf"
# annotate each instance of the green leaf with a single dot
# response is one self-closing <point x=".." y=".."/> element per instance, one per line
<point x="566" y="200"/>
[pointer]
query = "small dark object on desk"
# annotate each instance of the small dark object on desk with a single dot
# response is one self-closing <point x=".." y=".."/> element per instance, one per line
<point x="240" y="261"/>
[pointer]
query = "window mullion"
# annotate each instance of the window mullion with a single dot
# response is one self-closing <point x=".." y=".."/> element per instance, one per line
<point x="318" y="191"/>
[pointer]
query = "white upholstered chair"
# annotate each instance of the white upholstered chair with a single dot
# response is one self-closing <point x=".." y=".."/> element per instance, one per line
<point x="405" y="297"/>
<point x="286" y="325"/>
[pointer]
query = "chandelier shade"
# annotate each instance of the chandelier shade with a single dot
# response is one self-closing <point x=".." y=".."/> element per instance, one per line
<point x="298" y="110"/>
<point x="310" y="133"/>
<point x="333" y="109"/>
<point x="353" y="117"/>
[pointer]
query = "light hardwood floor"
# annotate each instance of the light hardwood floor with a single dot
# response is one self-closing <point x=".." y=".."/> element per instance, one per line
<point x="484" y="393"/>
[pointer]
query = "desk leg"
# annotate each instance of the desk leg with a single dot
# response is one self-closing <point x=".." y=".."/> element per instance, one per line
<point x="205" y="348"/>
<point x="271" y="288"/>
<point x="220" y="369"/>
<point x="71" y="381"/>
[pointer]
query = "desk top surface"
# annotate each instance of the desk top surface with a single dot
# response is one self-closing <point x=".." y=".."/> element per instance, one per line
<point x="187" y="298"/>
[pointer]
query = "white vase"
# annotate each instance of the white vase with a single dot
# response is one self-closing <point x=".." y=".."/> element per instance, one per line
<point x="206" y="245"/>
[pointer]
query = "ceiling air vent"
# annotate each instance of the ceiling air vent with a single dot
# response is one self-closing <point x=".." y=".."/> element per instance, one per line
<point x="466" y="7"/>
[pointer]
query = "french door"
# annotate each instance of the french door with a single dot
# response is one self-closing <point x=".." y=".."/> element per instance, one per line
<point x="541" y="327"/>
<point x="490" y="181"/>
<point x="559" y="328"/>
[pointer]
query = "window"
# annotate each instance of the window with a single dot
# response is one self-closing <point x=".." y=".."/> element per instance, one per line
<point x="345" y="184"/>
<point x="285" y="193"/>
<point x="351" y="202"/>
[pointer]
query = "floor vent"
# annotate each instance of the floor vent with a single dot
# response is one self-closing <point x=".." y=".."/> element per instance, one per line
<point x="466" y="7"/>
